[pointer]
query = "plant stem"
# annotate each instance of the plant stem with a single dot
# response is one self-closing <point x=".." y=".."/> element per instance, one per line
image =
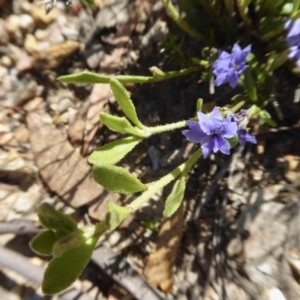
<point x="162" y="182"/>
<point x="87" y="77"/>
<point x="163" y="128"/>
<point x="174" y="14"/>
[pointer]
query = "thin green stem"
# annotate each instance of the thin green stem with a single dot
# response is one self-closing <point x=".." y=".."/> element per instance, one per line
<point x="162" y="182"/>
<point x="174" y="14"/>
<point x="87" y="77"/>
<point x="163" y="128"/>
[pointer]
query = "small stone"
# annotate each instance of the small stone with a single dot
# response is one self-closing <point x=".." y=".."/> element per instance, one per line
<point x="63" y="105"/>
<point x="4" y="37"/>
<point x="26" y="22"/>
<point x="30" y="44"/>
<point x="114" y="238"/>
<point x="275" y="293"/>
<point x="41" y="18"/>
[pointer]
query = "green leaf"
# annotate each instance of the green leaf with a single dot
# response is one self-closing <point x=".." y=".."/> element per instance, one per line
<point x="68" y="242"/>
<point x="117" y="179"/>
<point x="116" y="214"/>
<point x="276" y="60"/>
<point x="113" y="152"/>
<point x="199" y="104"/>
<point x="123" y="99"/>
<point x="175" y="198"/>
<point x="244" y="11"/>
<point x="119" y="124"/>
<point x="53" y="219"/>
<point x="84" y="78"/>
<point x="43" y="242"/>
<point x="250" y="85"/>
<point x="270" y="27"/>
<point x="63" y="271"/>
<point x="265" y="118"/>
<point x="233" y="141"/>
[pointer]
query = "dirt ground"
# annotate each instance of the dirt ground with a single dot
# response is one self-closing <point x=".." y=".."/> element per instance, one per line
<point x="237" y="235"/>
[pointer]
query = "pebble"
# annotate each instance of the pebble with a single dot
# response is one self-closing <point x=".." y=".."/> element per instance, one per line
<point x="26" y="23"/>
<point x="4" y="37"/>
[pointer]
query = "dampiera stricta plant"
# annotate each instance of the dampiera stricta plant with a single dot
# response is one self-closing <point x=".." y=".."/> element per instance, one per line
<point x="273" y="27"/>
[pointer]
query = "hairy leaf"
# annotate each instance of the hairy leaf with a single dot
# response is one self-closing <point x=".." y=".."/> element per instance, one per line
<point x="119" y="124"/>
<point x="123" y="99"/>
<point x="53" y="219"/>
<point x="84" y="78"/>
<point x="63" y="271"/>
<point x="175" y="198"/>
<point x="68" y="242"/>
<point x="43" y="242"/>
<point x="117" y="179"/>
<point x="116" y="214"/>
<point x="113" y="152"/>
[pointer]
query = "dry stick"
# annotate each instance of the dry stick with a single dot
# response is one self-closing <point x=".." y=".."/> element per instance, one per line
<point x="19" y="227"/>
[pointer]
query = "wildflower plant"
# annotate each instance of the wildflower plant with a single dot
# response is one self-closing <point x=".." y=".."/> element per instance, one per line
<point x="257" y="38"/>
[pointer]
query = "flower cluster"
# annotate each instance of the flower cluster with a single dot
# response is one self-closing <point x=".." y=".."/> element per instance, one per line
<point x="213" y="131"/>
<point x="293" y="40"/>
<point x="229" y="66"/>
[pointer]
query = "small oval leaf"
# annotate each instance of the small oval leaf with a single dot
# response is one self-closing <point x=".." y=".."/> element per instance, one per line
<point x="53" y="219"/>
<point x="43" y="242"/>
<point x="113" y="152"/>
<point x="117" y="179"/>
<point x="63" y="271"/>
<point x="119" y="124"/>
<point x="116" y="214"/>
<point x="123" y="99"/>
<point x="66" y="243"/>
<point x="175" y="198"/>
<point x="85" y="77"/>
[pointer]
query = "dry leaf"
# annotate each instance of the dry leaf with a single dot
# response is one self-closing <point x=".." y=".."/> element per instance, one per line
<point x="86" y="122"/>
<point x="158" y="268"/>
<point x="61" y="166"/>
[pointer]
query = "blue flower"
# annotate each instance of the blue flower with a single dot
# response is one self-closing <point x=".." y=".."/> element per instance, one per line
<point x="293" y="39"/>
<point x="242" y="119"/>
<point x="229" y="66"/>
<point x="212" y="132"/>
<point x="245" y="137"/>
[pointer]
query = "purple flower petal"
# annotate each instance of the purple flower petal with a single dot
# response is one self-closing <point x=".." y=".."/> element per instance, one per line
<point x="207" y="148"/>
<point x="229" y="129"/>
<point x="222" y="145"/>
<point x="228" y="66"/>
<point x="294" y="28"/>
<point x="233" y="80"/>
<point x="212" y="123"/>
<point x="194" y="134"/>
<point x="244" y="137"/>
<point x="293" y="39"/>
